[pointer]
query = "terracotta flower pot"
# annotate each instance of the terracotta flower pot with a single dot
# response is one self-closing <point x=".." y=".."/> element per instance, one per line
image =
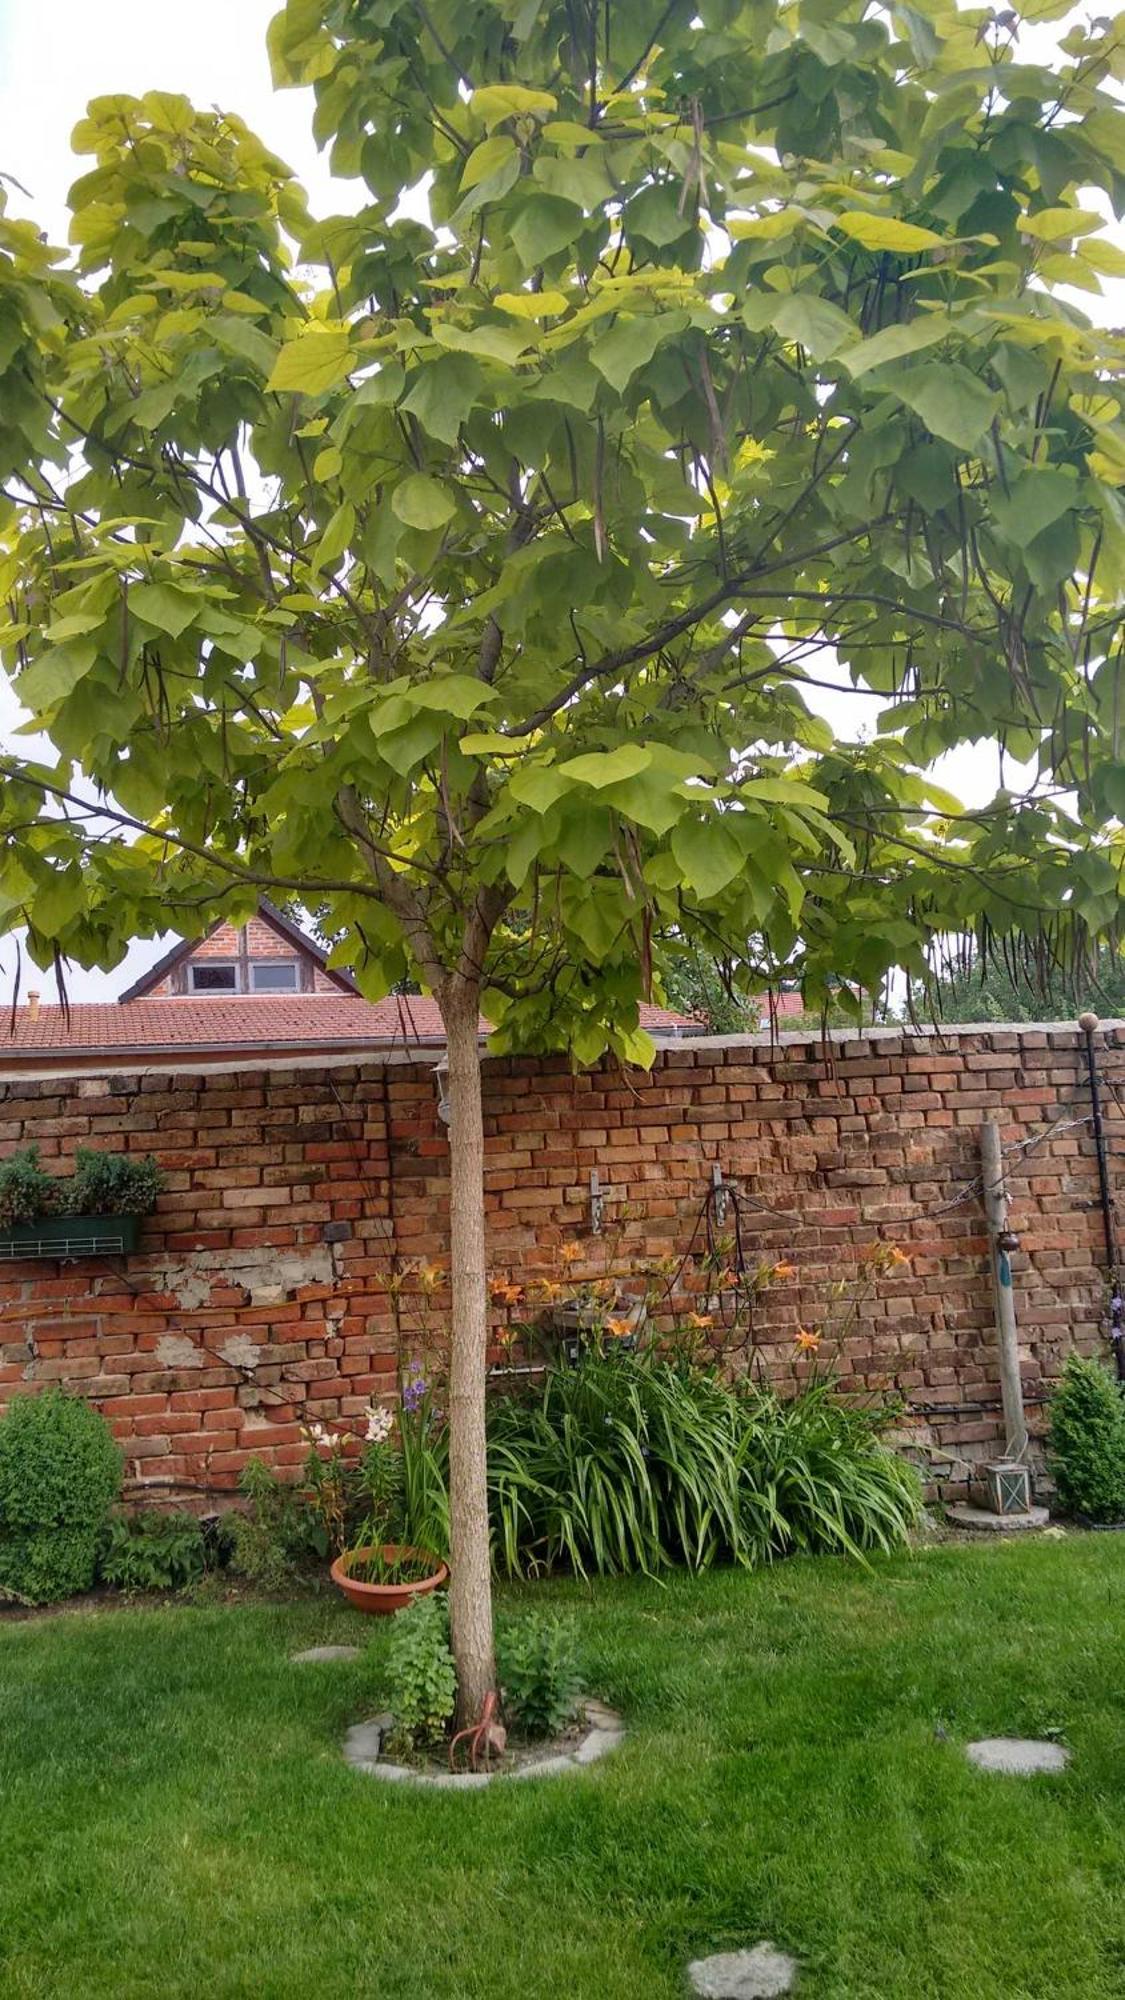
<point x="380" y="1599"/>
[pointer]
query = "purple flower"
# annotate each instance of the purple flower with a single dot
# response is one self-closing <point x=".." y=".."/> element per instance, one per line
<point x="413" y="1393"/>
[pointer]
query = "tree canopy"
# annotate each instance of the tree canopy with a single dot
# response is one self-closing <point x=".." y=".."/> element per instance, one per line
<point x="467" y="575"/>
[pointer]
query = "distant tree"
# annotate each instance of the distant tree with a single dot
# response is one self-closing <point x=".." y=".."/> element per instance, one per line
<point x="696" y="983"/>
<point x="992" y="990"/>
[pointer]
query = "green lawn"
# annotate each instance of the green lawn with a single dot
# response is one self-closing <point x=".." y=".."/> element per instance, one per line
<point x="176" y="1822"/>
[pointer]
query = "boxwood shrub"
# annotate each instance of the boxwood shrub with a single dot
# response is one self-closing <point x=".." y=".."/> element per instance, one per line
<point x="60" y="1472"/>
<point x="1087" y="1441"/>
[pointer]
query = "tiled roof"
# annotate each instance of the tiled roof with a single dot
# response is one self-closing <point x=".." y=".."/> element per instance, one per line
<point x="181" y="1026"/>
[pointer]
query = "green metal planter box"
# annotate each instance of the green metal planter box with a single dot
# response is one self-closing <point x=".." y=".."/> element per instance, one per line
<point x="71" y="1236"/>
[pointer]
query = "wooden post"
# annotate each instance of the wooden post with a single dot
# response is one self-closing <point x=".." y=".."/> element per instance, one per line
<point x="996" y="1210"/>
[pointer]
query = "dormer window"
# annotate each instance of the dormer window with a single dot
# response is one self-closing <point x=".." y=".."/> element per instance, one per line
<point x="277" y="977"/>
<point x="212" y="976"/>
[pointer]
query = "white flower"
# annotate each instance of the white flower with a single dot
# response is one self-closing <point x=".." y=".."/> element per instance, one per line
<point x="378" y="1427"/>
<point x="320" y="1434"/>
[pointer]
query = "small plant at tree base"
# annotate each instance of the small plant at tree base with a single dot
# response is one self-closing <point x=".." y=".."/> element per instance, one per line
<point x="278" y="1534"/>
<point x="1087" y="1441"/>
<point x="26" y="1192"/>
<point x="539" y="1673"/>
<point x="420" y="1674"/>
<point x="112" y="1184"/>
<point x="153" y="1550"/>
<point x="60" y="1472"/>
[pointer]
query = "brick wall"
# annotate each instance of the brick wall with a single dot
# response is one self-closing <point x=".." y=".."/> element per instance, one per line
<point x="242" y="1316"/>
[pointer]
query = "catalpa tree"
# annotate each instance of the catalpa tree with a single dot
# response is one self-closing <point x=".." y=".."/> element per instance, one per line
<point x="467" y="577"/>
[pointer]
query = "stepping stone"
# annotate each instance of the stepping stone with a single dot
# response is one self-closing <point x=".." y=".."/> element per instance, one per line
<point x="1017" y="1756"/>
<point x="314" y="1655"/>
<point x="364" y="1741"/>
<point x="758" y="1974"/>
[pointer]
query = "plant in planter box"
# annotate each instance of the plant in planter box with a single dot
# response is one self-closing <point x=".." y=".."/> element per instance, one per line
<point x="42" y="1216"/>
<point x="26" y="1192"/>
<point x="113" y="1184"/>
<point x="60" y="1472"/>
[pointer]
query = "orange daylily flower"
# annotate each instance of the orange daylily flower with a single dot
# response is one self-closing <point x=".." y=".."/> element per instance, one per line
<point x="701" y="1319"/>
<point x="620" y="1328"/>
<point x="898" y="1256"/>
<point x="569" y="1252"/>
<point x="784" y="1270"/>
<point x="503" y="1292"/>
<point x="807" y="1342"/>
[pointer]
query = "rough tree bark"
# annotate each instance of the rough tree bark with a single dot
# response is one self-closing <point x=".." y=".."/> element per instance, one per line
<point x="470" y="1590"/>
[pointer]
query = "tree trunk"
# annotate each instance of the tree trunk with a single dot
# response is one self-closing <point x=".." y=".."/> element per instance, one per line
<point x="470" y="1590"/>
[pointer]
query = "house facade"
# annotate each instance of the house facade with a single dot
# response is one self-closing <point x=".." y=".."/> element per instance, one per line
<point x="269" y="955"/>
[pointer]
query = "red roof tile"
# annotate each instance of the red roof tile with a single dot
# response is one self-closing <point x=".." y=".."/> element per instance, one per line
<point x="297" y="1022"/>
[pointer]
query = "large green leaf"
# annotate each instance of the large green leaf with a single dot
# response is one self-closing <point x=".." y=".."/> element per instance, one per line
<point x="630" y="343"/>
<point x="952" y="403"/>
<point x="316" y="361"/>
<point x="709" y="854"/>
<point x="236" y="335"/>
<point x="442" y="393"/>
<point x="607" y="767"/>
<point x="452" y="694"/>
<point x="815" y="323"/>
<point x="887" y="232"/>
<point x="55" y="673"/>
<point x="1034" y="501"/>
<point x="894" y="342"/>
<point x="164" y="605"/>
<point x="544" y="225"/>
<point x="336" y="538"/>
<point x="494" y="343"/>
<point x="497" y="102"/>
<point x="422" y="502"/>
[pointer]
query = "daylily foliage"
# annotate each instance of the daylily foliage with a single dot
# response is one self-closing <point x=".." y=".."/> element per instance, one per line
<point x="464" y="577"/>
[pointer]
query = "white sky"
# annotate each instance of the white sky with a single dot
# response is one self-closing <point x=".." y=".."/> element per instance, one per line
<point x="57" y="54"/>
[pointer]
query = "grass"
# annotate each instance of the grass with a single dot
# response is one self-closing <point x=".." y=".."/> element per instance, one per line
<point x="176" y="1820"/>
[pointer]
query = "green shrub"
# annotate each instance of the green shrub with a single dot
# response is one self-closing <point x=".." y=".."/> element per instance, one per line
<point x="113" y="1184"/>
<point x="539" y="1673"/>
<point x="818" y="1479"/>
<point x="26" y="1192"/>
<point x="420" y="1672"/>
<point x="60" y="1472"/>
<point x="153" y="1550"/>
<point x="632" y="1462"/>
<point x="278" y="1535"/>
<point x="1087" y="1441"/>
